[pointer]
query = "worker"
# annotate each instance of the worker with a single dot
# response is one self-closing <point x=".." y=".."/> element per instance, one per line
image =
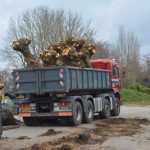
<point x="1" y="91"/>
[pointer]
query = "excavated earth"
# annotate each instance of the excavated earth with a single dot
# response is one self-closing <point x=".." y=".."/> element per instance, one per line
<point x="104" y="129"/>
<point x="8" y="119"/>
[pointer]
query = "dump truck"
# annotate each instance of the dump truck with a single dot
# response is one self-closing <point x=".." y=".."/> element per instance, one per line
<point x="70" y="94"/>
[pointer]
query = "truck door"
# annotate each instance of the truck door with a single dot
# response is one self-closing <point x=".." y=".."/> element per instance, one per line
<point x="115" y="77"/>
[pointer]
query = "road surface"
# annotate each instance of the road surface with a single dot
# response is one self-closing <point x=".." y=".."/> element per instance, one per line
<point x="139" y="141"/>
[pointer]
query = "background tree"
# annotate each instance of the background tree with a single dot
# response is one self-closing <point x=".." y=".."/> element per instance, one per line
<point x="103" y="50"/>
<point x="126" y="52"/>
<point x="7" y="79"/>
<point x="43" y="27"/>
<point x="144" y="77"/>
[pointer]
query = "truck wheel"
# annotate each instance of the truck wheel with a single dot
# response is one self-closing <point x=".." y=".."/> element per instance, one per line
<point x="116" y="110"/>
<point x="32" y="121"/>
<point x="106" y="110"/>
<point x="88" y="115"/>
<point x="76" y="118"/>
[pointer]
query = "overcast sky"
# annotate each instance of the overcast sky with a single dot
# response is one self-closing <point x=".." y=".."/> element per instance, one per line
<point x="106" y="16"/>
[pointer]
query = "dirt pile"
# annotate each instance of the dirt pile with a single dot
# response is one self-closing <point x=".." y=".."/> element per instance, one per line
<point x="65" y="143"/>
<point x="47" y="147"/>
<point x="50" y="132"/>
<point x="8" y="119"/>
<point x="83" y="138"/>
<point x="39" y="147"/>
<point x="23" y="138"/>
<point x="104" y="129"/>
<point x="65" y="147"/>
<point x="119" y="126"/>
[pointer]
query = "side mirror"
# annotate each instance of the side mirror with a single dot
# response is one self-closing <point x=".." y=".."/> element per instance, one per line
<point x="123" y="72"/>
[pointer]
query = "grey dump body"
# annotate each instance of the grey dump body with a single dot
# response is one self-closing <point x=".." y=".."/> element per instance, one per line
<point x="62" y="79"/>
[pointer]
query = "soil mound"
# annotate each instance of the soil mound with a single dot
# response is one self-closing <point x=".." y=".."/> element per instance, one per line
<point x="65" y="147"/>
<point x="50" y="132"/>
<point x="8" y="118"/>
<point x="83" y="138"/>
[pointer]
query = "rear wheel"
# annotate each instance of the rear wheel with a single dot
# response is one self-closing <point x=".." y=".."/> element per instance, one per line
<point x="106" y="110"/>
<point x="76" y="118"/>
<point x="116" y="110"/>
<point x="88" y="114"/>
<point x="32" y="121"/>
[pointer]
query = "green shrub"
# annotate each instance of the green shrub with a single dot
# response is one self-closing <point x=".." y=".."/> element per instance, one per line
<point x="140" y="88"/>
<point x="145" y="90"/>
<point x="136" y="86"/>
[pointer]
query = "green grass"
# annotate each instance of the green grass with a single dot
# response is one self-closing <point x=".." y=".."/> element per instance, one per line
<point x="133" y="97"/>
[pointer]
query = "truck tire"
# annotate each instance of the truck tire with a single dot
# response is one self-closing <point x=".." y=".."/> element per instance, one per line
<point x="116" y="110"/>
<point x="76" y="118"/>
<point x="106" y="110"/>
<point x="88" y="114"/>
<point x="32" y="121"/>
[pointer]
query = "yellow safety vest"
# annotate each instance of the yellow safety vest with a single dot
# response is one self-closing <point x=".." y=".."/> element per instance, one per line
<point x="3" y="97"/>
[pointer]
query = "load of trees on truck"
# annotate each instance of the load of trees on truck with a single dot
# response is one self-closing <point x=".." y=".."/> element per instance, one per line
<point x="67" y="85"/>
<point x="71" y="52"/>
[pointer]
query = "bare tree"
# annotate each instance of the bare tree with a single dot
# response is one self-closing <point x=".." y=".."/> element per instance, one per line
<point x="7" y="79"/>
<point x="103" y="50"/>
<point x="144" y="78"/>
<point x="126" y="52"/>
<point x="43" y="27"/>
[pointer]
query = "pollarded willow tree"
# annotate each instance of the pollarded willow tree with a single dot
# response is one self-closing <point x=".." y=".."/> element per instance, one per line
<point x="127" y="53"/>
<point x="43" y="27"/>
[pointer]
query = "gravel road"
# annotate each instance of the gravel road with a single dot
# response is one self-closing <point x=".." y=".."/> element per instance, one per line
<point x="139" y="141"/>
<point x="135" y="112"/>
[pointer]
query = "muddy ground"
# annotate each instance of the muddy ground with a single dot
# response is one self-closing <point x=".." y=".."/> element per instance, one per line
<point x="85" y="137"/>
<point x="104" y="129"/>
<point x="110" y="134"/>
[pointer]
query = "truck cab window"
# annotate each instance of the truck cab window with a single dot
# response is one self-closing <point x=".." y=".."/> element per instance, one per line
<point x="115" y="71"/>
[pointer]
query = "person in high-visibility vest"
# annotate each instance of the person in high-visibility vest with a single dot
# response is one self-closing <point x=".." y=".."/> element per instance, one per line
<point x="1" y="92"/>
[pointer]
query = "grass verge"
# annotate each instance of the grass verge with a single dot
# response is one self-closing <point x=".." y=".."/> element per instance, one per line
<point x="133" y="97"/>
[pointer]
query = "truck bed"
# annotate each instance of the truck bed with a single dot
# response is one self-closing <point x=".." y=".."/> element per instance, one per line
<point x="60" y="79"/>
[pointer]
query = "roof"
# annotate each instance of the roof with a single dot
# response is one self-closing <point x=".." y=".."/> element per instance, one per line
<point x="105" y="60"/>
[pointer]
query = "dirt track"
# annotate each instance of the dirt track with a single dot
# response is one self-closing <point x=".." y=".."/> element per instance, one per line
<point x="100" y="134"/>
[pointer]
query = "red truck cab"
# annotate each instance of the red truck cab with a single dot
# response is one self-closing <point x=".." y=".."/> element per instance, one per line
<point x="108" y="64"/>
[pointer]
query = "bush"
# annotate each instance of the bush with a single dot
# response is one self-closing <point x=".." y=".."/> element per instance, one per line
<point x="145" y="90"/>
<point x="135" y="86"/>
<point x="140" y="88"/>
